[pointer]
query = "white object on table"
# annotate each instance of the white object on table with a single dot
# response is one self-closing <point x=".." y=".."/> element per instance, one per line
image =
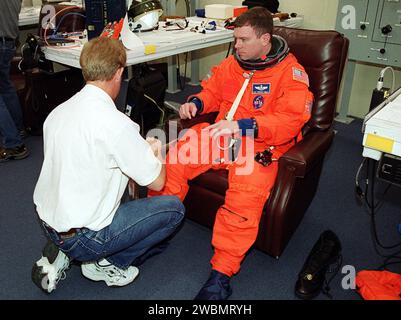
<point x="29" y="16"/>
<point x="382" y="128"/>
<point x="166" y="44"/>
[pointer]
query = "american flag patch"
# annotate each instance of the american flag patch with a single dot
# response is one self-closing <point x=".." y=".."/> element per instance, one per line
<point x="299" y="75"/>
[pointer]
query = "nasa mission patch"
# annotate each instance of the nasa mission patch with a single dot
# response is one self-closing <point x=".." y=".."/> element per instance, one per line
<point x="258" y="102"/>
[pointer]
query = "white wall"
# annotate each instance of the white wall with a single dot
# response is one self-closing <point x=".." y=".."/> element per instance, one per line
<point x="318" y="15"/>
<point x="365" y="77"/>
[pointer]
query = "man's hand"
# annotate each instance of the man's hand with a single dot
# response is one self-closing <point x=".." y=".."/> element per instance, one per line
<point x="223" y="128"/>
<point x="155" y="145"/>
<point x="188" y="110"/>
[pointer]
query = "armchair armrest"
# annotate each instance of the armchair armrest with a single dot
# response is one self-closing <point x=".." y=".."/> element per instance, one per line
<point x="207" y="117"/>
<point x="305" y="154"/>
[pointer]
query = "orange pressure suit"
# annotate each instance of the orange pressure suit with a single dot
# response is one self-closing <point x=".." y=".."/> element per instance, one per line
<point x="279" y="99"/>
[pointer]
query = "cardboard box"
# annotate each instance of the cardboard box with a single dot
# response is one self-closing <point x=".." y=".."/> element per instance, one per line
<point x="219" y="11"/>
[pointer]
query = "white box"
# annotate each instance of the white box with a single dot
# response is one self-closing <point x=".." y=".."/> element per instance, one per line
<point x="382" y="130"/>
<point x="219" y="11"/>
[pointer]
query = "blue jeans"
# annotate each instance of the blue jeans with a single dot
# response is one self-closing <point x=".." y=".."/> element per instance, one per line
<point x="137" y="226"/>
<point x="10" y="108"/>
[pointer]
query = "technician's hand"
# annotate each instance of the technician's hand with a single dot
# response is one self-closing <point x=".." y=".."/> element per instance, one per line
<point x="223" y="128"/>
<point x="188" y="110"/>
<point x="155" y="145"/>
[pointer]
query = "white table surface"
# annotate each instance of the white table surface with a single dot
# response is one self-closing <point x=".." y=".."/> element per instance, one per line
<point x="167" y="44"/>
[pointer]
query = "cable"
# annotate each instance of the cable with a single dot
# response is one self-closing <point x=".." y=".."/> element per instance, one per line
<point x="380" y="81"/>
<point x="66" y="15"/>
<point x="387" y="262"/>
<point x="372" y="208"/>
<point x="22" y="52"/>
<point x="50" y="22"/>
<point x="358" y="189"/>
<point x="158" y="107"/>
<point x="361" y="195"/>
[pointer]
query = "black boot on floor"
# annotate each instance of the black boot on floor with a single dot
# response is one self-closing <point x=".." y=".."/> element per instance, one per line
<point x="325" y="253"/>
<point x="217" y="287"/>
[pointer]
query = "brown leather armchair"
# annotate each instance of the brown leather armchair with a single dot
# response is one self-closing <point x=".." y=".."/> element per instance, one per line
<point x="323" y="54"/>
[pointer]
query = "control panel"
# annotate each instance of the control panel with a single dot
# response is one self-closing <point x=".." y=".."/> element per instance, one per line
<point x="373" y="28"/>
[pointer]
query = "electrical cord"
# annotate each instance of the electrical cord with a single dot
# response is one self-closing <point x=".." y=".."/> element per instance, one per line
<point x="66" y="15"/>
<point x="358" y="190"/>
<point x="387" y="262"/>
<point x="380" y="82"/>
<point x="362" y="195"/>
<point x="49" y="23"/>
<point x="158" y="107"/>
<point x="372" y="207"/>
<point x="373" y="213"/>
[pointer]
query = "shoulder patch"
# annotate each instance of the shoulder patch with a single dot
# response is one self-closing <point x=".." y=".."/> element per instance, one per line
<point x="299" y="75"/>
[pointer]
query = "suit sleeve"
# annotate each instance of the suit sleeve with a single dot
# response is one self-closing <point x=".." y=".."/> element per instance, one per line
<point x="211" y="94"/>
<point x="291" y="110"/>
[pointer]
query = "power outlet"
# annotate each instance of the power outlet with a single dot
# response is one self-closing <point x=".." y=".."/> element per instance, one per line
<point x="128" y="110"/>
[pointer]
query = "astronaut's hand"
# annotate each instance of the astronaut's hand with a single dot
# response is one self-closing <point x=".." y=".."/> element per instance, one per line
<point x="223" y="128"/>
<point x="188" y="110"/>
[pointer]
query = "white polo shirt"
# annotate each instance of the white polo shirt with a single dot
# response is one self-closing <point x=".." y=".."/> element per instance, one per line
<point x="90" y="151"/>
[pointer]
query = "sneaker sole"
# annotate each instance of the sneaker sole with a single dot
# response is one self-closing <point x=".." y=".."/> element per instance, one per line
<point x="50" y="252"/>
<point x="40" y="278"/>
<point x="95" y="277"/>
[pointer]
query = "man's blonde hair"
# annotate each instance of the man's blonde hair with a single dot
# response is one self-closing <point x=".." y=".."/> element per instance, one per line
<point x="101" y="58"/>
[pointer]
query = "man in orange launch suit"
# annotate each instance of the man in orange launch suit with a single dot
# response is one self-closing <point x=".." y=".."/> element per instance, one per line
<point x="272" y="110"/>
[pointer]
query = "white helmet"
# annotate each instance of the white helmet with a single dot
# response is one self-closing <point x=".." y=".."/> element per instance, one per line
<point x="144" y="15"/>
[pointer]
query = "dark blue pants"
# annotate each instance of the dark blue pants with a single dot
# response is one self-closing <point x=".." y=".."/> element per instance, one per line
<point x="10" y="109"/>
<point x="137" y="226"/>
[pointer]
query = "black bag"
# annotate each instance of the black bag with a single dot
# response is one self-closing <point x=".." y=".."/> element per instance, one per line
<point x="145" y="98"/>
<point x="271" y="5"/>
<point x="32" y="55"/>
<point x="45" y="91"/>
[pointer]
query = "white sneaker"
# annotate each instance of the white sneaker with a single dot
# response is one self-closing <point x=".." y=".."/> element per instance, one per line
<point x="50" y="269"/>
<point x="112" y="275"/>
